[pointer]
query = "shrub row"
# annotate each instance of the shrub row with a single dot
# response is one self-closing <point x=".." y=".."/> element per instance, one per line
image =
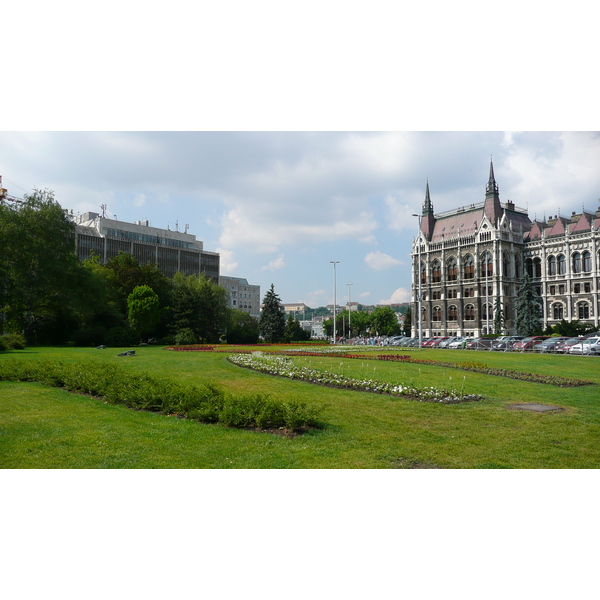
<point x="12" y="341"/>
<point x="206" y="403"/>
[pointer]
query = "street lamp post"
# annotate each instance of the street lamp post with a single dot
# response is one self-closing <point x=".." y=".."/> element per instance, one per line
<point x="334" y="262"/>
<point x="349" y="311"/>
<point x="420" y="315"/>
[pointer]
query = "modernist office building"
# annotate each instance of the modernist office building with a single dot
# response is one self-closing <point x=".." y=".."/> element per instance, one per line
<point x="172" y="251"/>
<point x="466" y="260"/>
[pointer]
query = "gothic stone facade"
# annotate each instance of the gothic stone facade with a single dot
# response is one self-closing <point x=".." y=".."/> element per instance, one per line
<point x="475" y="257"/>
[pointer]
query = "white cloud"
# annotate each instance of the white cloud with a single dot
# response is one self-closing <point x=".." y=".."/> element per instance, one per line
<point x="398" y="297"/>
<point x="228" y="264"/>
<point x="139" y="200"/>
<point x="379" y="261"/>
<point x="275" y="264"/>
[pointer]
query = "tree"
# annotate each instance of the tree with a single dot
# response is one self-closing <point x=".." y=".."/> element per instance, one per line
<point x="271" y="325"/>
<point x="242" y="328"/>
<point x="143" y="309"/>
<point x="294" y="331"/>
<point x="528" y="309"/>
<point x="199" y="305"/>
<point x="40" y="275"/>
<point x="408" y="322"/>
<point x="384" y="320"/>
<point x="498" y="316"/>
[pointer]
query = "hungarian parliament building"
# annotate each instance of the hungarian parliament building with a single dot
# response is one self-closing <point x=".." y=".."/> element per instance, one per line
<point x="466" y="261"/>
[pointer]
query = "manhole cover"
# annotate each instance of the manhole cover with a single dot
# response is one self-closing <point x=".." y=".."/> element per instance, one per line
<point x="535" y="407"/>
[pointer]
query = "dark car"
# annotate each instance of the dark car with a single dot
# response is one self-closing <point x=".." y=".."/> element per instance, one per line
<point x="549" y="345"/>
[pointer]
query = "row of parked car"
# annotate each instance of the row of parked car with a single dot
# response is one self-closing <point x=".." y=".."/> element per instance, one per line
<point x="589" y="344"/>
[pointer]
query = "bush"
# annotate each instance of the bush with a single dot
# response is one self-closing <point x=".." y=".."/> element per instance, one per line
<point x="3" y="345"/>
<point x="14" y="341"/>
<point x="206" y="403"/>
<point x="186" y="336"/>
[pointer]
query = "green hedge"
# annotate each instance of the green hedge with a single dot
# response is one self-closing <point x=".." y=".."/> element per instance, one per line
<point x="205" y="403"/>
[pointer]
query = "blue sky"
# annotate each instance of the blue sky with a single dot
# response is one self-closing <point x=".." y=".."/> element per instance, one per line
<point x="279" y="206"/>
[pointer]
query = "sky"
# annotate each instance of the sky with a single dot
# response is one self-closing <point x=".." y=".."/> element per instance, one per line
<point x="280" y="206"/>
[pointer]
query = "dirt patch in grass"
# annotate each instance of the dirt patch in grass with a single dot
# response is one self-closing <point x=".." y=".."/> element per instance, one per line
<point x="407" y="463"/>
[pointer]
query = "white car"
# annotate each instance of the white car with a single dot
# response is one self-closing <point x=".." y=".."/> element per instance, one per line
<point x="588" y="346"/>
<point x="457" y="343"/>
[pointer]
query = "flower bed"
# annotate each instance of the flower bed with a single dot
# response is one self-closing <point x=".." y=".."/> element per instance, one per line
<point x="282" y="366"/>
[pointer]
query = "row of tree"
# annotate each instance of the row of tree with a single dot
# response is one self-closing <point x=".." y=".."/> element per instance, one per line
<point x="51" y="297"/>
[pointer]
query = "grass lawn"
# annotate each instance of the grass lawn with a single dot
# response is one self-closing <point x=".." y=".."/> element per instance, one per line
<point x="42" y="427"/>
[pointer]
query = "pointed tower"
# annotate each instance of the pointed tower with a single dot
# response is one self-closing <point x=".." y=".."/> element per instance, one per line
<point x="492" y="206"/>
<point x="427" y="219"/>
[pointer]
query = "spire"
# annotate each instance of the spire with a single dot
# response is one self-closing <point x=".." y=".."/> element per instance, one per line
<point x="493" y="208"/>
<point x="492" y="186"/>
<point x="427" y="206"/>
<point x="427" y="220"/>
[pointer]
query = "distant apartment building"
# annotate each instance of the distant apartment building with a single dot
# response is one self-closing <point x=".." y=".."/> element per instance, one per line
<point x="242" y="295"/>
<point x="172" y="251"/>
<point x="296" y="309"/>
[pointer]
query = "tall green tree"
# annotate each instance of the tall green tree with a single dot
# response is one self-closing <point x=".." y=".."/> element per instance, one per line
<point x="407" y="322"/>
<point x="498" y="316"/>
<point x="271" y="325"/>
<point x="242" y="327"/>
<point x="143" y="310"/>
<point x="40" y="275"/>
<point x="528" y="309"/>
<point x="294" y="331"/>
<point x="199" y="305"/>
<point x="384" y="321"/>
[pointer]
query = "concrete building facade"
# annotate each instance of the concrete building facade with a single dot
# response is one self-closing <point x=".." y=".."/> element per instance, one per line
<point x="172" y="251"/>
<point x="242" y="295"/>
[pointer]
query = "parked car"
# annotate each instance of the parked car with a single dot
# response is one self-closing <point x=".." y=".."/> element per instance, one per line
<point x="527" y="344"/>
<point x="457" y="343"/>
<point x="437" y="341"/>
<point x="445" y="343"/>
<point x="429" y="342"/>
<point x="586" y="346"/>
<point x="565" y="345"/>
<point x="549" y="345"/>
<point x="479" y="344"/>
<point x="506" y="342"/>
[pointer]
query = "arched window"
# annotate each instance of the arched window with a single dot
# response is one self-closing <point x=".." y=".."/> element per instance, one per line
<point x="583" y="310"/>
<point x="436" y="314"/>
<point x="487" y="265"/>
<point x="490" y="311"/>
<point x="436" y="271"/>
<point x="469" y="312"/>
<point x="529" y="266"/>
<point x="423" y="274"/>
<point x="551" y="265"/>
<point x="562" y="264"/>
<point x="452" y="313"/>
<point x="517" y="267"/>
<point x="576" y="262"/>
<point x="587" y="262"/>
<point x="452" y="270"/>
<point x="424" y="314"/>
<point x="537" y="267"/>
<point x="557" y="311"/>
<point x="469" y="267"/>
<point x="505" y="264"/>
